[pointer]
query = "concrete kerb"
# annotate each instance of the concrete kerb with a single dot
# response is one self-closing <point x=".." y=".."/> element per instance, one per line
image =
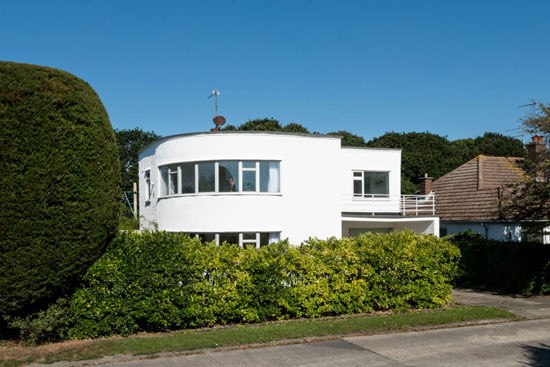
<point x="130" y="358"/>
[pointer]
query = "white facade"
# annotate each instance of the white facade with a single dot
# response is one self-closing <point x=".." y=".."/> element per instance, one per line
<point x="311" y="179"/>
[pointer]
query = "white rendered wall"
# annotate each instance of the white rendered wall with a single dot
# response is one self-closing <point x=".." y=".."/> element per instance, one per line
<point x="309" y="203"/>
<point x="370" y="159"/>
<point x="427" y="225"/>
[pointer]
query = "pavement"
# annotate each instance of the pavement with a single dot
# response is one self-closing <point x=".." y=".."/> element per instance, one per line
<point x="528" y="307"/>
<point x="524" y="343"/>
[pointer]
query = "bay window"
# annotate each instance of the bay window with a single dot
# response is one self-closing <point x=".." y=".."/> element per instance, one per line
<point x="220" y="176"/>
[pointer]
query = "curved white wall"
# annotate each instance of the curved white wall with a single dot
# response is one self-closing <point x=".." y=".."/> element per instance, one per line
<point x="309" y="202"/>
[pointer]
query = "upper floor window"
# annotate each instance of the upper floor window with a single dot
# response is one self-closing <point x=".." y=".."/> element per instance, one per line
<point x="371" y="184"/>
<point x="220" y="176"/>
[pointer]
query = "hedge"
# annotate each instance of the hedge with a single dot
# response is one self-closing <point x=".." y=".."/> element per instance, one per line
<point x="508" y="267"/>
<point x="162" y="281"/>
<point x="60" y="184"/>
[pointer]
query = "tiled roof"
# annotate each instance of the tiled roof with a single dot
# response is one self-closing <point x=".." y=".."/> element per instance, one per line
<point x="471" y="191"/>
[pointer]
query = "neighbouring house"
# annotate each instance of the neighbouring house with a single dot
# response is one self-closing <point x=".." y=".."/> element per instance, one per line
<point x="255" y="188"/>
<point x="467" y="198"/>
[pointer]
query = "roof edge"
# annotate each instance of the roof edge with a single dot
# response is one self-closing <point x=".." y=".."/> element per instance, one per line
<point x="306" y="135"/>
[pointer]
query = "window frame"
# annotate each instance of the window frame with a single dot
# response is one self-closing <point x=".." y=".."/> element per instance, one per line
<point x="256" y="241"/>
<point x="147" y="177"/>
<point x="241" y="170"/>
<point x="361" y="178"/>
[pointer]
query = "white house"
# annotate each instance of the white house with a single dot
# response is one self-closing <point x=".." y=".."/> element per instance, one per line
<point x="254" y="188"/>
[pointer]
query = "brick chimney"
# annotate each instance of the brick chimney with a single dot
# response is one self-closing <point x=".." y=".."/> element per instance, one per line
<point x="536" y="151"/>
<point x="425" y="185"/>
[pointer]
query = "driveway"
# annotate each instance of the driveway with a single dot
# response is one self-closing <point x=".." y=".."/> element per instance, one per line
<point x="528" y="307"/>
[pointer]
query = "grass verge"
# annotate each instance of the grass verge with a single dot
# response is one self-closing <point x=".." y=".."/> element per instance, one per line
<point x="188" y="340"/>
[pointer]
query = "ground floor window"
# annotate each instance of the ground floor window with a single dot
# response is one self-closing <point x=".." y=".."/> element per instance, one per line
<point x="243" y="239"/>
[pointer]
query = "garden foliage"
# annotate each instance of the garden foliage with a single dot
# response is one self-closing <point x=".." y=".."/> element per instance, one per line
<point x="160" y="281"/>
<point x="60" y="184"/>
<point x="509" y="267"/>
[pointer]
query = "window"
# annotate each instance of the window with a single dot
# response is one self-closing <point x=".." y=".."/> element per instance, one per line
<point x="370" y="184"/>
<point x="172" y="179"/>
<point x="228" y="176"/>
<point x="250" y="240"/>
<point x="245" y="240"/>
<point x="220" y="176"/>
<point x="249" y="176"/>
<point x="164" y="181"/>
<point x="187" y="178"/>
<point x="269" y="176"/>
<point x="147" y="176"/>
<point x="207" y="180"/>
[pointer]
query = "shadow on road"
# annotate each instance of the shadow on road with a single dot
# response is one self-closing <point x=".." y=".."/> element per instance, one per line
<point x="539" y="356"/>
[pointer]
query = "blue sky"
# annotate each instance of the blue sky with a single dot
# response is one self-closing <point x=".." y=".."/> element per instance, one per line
<point x="454" y="68"/>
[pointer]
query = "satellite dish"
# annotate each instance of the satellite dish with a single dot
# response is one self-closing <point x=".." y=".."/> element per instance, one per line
<point x="219" y="120"/>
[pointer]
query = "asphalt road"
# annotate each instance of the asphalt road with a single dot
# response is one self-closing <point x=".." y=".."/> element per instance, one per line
<point x="525" y="343"/>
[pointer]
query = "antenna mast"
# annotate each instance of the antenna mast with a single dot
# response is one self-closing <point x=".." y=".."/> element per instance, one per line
<point x="533" y="106"/>
<point x="215" y="93"/>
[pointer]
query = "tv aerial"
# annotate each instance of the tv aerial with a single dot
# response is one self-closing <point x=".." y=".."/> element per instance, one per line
<point x="218" y="120"/>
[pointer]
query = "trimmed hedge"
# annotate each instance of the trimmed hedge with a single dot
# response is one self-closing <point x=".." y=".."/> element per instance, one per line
<point x="160" y="281"/>
<point x="60" y="184"/>
<point x="508" y="267"/>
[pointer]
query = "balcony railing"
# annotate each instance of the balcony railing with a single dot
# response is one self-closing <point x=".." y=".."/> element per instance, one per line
<point x="418" y="204"/>
<point x="410" y="205"/>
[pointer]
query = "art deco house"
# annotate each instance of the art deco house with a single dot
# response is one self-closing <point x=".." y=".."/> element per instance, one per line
<point x="254" y="188"/>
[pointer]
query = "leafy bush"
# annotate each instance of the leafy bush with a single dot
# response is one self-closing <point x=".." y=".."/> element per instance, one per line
<point x="60" y="182"/>
<point x="160" y="281"/>
<point x="49" y="325"/>
<point x="509" y="267"/>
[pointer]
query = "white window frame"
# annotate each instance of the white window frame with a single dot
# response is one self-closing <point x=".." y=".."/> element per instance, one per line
<point x="241" y="169"/>
<point x="147" y="176"/>
<point x="362" y="180"/>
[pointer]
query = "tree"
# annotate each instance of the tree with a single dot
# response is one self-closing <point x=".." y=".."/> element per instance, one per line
<point x="60" y="184"/>
<point x="349" y="139"/>
<point x="529" y="199"/>
<point x="437" y="156"/>
<point x="267" y="124"/>
<point x="130" y="142"/>
<point x="421" y="153"/>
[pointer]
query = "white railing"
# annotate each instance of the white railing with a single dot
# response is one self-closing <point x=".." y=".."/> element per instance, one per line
<point x="418" y="204"/>
<point x="390" y="204"/>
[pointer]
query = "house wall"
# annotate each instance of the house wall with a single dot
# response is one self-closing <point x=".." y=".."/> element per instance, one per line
<point x="427" y="225"/>
<point x="371" y="159"/>
<point x="309" y="203"/>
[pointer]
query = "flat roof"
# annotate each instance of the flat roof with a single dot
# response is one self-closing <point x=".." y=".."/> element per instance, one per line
<point x="307" y="135"/>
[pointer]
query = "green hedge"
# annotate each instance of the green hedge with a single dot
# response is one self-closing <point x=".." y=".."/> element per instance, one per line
<point x="509" y="267"/>
<point x="160" y="281"/>
<point x="59" y="182"/>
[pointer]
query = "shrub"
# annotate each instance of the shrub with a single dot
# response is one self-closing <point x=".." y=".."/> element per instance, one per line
<point x="160" y="281"/>
<point x="60" y="182"/>
<point x="49" y="325"/>
<point x="509" y="267"/>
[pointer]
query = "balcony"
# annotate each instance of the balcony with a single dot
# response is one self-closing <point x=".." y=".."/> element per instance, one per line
<point x="405" y="205"/>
